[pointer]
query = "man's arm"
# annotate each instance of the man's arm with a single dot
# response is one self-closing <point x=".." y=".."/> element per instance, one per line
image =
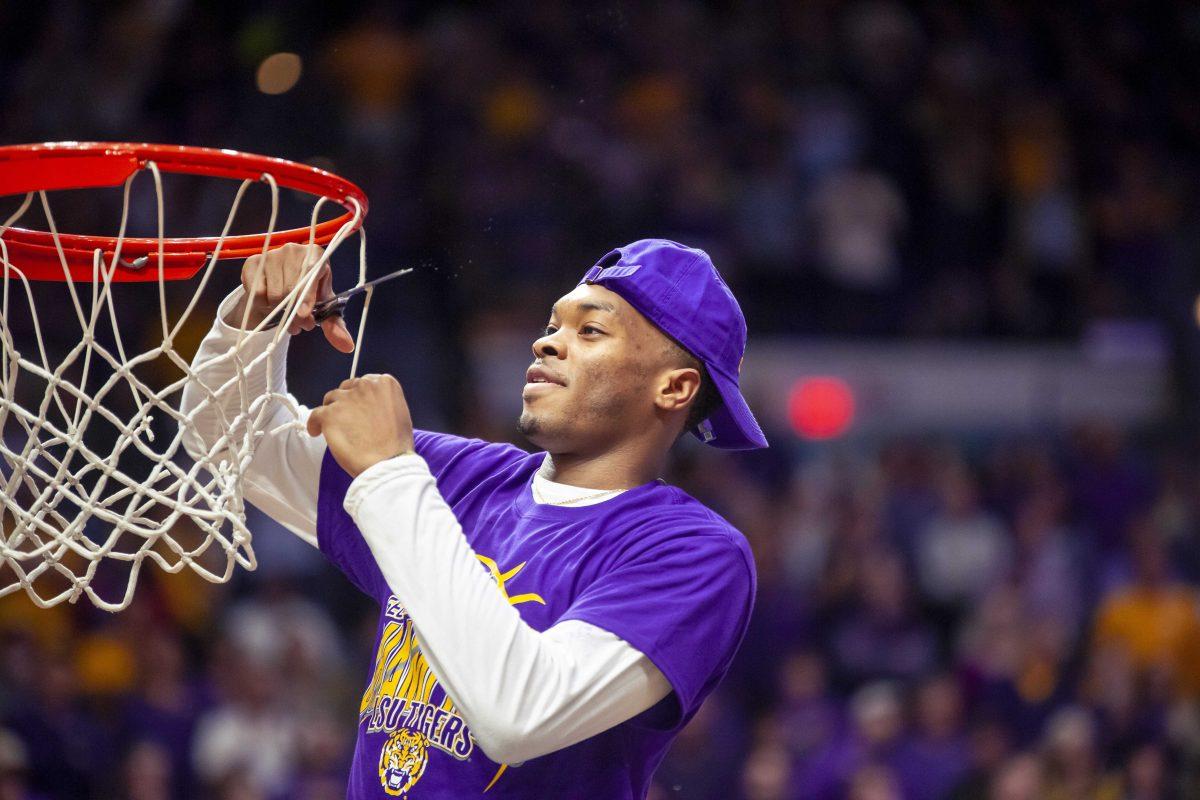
<point x="283" y="477"/>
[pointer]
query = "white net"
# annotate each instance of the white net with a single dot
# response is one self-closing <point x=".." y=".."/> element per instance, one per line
<point x="94" y="477"/>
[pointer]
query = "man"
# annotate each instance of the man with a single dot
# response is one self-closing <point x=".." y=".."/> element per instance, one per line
<point x="551" y="620"/>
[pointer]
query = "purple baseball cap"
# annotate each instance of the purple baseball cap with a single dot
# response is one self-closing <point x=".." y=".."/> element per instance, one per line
<point x="679" y="290"/>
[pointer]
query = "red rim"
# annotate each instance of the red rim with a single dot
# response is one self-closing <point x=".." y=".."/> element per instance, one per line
<point x="84" y="165"/>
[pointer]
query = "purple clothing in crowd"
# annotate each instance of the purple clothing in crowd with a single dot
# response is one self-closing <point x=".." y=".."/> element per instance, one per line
<point x="929" y="768"/>
<point x="652" y="565"/>
<point x="827" y="774"/>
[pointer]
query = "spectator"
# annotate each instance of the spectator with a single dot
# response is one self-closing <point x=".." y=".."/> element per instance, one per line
<point x="881" y="636"/>
<point x="1155" y="621"/>
<point x="1027" y="674"/>
<point x="1073" y="764"/>
<point x="14" y="769"/>
<point x="875" y="738"/>
<point x="147" y="773"/>
<point x="1050" y="568"/>
<point x="65" y="744"/>
<point x="937" y="754"/>
<point x="874" y="782"/>
<point x="990" y="747"/>
<point x="858" y="216"/>
<point x="809" y="714"/>
<point x="1019" y="779"/>
<point x="1146" y="775"/>
<point x="1131" y="710"/>
<point x="1109" y="490"/>
<point x="164" y="708"/>
<point x="765" y="776"/>
<point x="248" y="742"/>
<point x="963" y="550"/>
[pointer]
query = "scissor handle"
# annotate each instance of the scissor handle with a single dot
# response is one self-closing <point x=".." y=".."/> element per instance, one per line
<point x="332" y="307"/>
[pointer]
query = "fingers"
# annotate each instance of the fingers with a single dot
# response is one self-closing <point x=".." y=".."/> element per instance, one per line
<point x="269" y="278"/>
<point x="362" y="381"/>
<point x="316" y="417"/>
<point x="273" y="281"/>
<point x="301" y="263"/>
<point x="302" y="323"/>
<point x="334" y="328"/>
<point x="324" y="284"/>
<point x="357" y="398"/>
<point x="254" y="278"/>
<point x="337" y="334"/>
<point x="314" y="422"/>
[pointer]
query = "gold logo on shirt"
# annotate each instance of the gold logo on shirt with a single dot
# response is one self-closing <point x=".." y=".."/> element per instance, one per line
<point x="405" y="699"/>
<point x="402" y="761"/>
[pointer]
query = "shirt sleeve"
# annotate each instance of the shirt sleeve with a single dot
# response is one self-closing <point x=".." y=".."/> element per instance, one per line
<point x="684" y="600"/>
<point x="339" y="538"/>
<point x="456" y="462"/>
<point x="281" y="478"/>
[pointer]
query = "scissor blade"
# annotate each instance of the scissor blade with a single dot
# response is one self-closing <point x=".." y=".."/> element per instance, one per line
<point x="388" y="277"/>
<point x="359" y="289"/>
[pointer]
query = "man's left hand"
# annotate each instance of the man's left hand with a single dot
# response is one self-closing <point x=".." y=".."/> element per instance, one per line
<point x="365" y="421"/>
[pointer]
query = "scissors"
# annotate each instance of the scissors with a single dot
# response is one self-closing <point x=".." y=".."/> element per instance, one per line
<point x="333" y="306"/>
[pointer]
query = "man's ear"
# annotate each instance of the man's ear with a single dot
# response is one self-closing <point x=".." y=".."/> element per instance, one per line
<point x="677" y="389"/>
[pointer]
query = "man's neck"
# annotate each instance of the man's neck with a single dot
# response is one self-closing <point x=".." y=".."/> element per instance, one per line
<point x="621" y="468"/>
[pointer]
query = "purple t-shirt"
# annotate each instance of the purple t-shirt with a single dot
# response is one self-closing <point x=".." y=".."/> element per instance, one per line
<point x="652" y="565"/>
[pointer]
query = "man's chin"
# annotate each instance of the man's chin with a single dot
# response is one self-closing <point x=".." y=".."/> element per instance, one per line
<point x="536" y="430"/>
<point x="527" y="425"/>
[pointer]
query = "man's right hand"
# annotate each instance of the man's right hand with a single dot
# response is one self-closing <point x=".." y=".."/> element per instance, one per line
<point x="268" y="279"/>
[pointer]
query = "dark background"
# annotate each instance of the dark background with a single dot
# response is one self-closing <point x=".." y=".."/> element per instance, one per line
<point x="942" y="614"/>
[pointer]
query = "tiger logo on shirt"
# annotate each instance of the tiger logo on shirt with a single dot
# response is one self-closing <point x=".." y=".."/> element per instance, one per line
<point x="405" y="700"/>
<point x="402" y="761"/>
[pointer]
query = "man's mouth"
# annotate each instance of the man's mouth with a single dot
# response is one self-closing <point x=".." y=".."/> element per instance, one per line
<point x="538" y="375"/>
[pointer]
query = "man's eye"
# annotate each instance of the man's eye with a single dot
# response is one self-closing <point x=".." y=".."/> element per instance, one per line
<point x="590" y="329"/>
<point x="548" y="330"/>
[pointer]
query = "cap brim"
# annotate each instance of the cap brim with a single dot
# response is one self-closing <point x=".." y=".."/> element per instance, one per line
<point x="733" y="426"/>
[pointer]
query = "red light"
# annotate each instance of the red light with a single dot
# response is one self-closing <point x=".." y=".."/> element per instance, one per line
<point x="821" y="407"/>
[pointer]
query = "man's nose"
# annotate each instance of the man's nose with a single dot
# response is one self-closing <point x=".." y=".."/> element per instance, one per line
<point x="549" y="346"/>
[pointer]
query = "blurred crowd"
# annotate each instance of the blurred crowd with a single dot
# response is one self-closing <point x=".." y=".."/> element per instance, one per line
<point x="864" y="168"/>
<point x="1010" y="620"/>
<point x="1014" y="619"/>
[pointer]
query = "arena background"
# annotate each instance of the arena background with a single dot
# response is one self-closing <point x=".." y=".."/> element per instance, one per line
<point x="966" y="241"/>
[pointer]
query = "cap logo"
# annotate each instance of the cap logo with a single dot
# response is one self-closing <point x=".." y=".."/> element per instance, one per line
<point x="601" y="273"/>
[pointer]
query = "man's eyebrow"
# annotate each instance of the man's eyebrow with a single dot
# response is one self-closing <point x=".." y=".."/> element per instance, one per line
<point x="589" y="305"/>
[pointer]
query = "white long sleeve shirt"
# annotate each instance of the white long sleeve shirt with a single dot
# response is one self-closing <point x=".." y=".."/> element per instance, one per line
<point x="524" y="692"/>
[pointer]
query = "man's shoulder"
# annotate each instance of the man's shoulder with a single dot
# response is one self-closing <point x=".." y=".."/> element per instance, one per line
<point x="670" y="516"/>
<point x="685" y="508"/>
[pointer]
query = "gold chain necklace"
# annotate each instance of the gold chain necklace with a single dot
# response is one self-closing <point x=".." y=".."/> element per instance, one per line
<point x="541" y="499"/>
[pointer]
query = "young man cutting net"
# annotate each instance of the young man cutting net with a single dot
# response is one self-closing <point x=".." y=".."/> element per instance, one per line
<point x="563" y="613"/>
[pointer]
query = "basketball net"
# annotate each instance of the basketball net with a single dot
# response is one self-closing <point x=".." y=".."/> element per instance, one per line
<point x="68" y="501"/>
